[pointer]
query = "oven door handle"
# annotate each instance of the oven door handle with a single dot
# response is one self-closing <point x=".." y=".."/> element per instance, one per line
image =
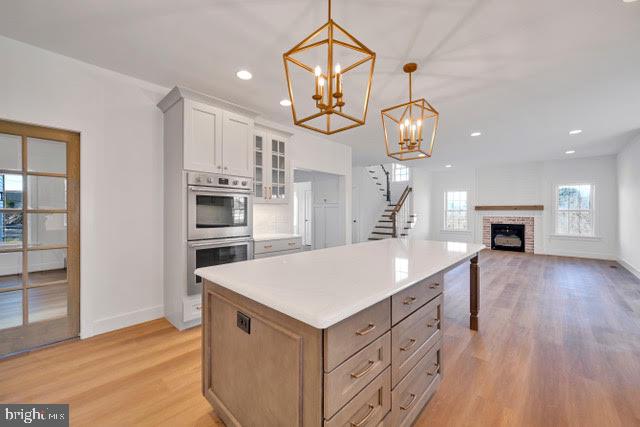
<point x="218" y="190"/>
<point x="219" y="242"/>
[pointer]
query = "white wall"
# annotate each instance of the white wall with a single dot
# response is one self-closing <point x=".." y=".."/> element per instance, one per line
<point x="526" y="183"/>
<point x="629" y="199"/>
<point x="121" y="174"/>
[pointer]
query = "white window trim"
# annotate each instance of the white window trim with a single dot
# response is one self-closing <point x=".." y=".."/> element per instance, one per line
<point x="445" y="210"/>
<point x="393" y="173"/>
<point x="594" y="215"/>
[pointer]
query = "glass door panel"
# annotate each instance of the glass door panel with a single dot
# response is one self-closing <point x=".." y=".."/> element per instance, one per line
<point x="47" y="302"/>
<point x="10" y="270"/>
<point x="47" y="156"/>
<point x="259" y="165"/>
<point x="10" y="309"/>
<point x="47" y="192"/>
<point x="47" y="266"/>
<point x="47" y="229"/>
<point x="10" y="152"/>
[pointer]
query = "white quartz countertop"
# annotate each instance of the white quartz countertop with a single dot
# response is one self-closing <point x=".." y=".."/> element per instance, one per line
<point x="323" y="287"/>
<point x="274" y="236"/>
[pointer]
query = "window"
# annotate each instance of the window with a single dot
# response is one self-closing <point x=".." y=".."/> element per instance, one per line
<point x="574" y="210"/>
<point x="400" y="173"/>
<point x="455" y="211"/>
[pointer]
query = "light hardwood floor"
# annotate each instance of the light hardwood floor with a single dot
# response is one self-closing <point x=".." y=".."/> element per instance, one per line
<point x="559" y="345"/>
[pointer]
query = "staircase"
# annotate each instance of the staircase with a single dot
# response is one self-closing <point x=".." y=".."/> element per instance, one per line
<point x="380" y="176"/>
<point x="396" y="220"/>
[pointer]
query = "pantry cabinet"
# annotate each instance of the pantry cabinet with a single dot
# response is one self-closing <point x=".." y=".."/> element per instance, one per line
<point x="271" y="171"/>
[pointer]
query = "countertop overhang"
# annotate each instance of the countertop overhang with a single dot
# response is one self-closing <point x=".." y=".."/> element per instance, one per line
<point x="324" y="287"/>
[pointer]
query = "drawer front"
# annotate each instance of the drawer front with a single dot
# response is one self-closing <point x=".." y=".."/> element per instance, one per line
<point x="386" y="421"/>
<point x="347" y="337"/>
<point x="413" y="392"/>
<point x="272" y="254"/>
<point x="406" y="302"/>
<point x="344" y="382"/>
<point x="268" y="246"/>
<point x="191" y="308"/>
<point x="368" y="408"/>
<point x="414" y="337"/>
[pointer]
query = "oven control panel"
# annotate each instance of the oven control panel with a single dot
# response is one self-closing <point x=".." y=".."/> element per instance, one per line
<point x="218" y="180"/>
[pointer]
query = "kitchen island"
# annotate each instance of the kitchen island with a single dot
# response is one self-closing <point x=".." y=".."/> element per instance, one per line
<point x="345" y="336"/>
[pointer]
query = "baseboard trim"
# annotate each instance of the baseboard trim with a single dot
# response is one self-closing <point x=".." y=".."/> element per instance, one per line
<point x="629" y="267"/>
<point x="574" y="254"/>
<point x="131" y="318"/>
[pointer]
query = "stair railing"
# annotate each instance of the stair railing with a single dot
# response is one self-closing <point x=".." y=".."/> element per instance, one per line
<point x="400" y="213"/>
<point x="388" y="192"/>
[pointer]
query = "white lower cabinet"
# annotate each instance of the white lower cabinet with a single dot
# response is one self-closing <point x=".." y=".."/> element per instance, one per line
<point x="275" y="247"/>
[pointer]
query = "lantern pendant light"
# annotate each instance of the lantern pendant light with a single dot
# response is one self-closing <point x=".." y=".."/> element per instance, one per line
<point x="405" y="126"/>
<point x="330" y="102"/>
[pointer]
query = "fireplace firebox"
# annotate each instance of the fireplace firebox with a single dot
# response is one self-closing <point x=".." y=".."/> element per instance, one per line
<point x="507" y="237"/>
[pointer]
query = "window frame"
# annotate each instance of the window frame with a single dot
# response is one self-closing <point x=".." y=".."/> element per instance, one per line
<point x="446" y="211"/>
<point x="591" y="210"/>
<point x="404" y="169"/>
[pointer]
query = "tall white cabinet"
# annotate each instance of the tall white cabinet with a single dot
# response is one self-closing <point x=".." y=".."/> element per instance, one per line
<point x="201" y="134"/>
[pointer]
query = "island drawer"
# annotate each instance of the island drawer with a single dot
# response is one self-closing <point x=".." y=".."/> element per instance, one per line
<point x="409" y="300"/>
<point x="369" y="407"/>
<point x="347" y="337"/>
<point x="414" y="391"/>
<point x="277" y="245"/>
<point x="344" y="382"/>
<point x="412" y="338"/>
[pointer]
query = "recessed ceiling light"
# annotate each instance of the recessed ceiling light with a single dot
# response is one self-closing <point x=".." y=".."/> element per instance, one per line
<point x="476" y="134"/>
<point x="569" y="151"/>
<point x="575" y="132"/>
<point x="448" y="166"/>
<point x="244" y="75"/>
<point x="285" y="103"/>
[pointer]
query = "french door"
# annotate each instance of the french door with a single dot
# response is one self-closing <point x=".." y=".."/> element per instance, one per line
<point x="39" y="236"/>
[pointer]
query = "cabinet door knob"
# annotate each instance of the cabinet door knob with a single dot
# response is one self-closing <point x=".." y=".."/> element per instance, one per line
<point x="225" y="168"/>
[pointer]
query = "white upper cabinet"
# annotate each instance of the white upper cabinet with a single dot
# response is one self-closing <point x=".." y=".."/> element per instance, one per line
<point x="271" y="172"/>
<point x="237" y="136"/>
<point x="202" y="137"/>
<point x="213" y="136"/>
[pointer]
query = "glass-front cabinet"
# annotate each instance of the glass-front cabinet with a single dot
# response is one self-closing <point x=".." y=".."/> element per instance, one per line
<point x="271" y="167"/>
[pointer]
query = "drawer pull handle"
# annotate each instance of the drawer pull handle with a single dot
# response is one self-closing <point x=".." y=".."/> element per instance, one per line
<point x="408" y="405"/>
<point x="292" y="243"/>
<point x="369" y="367"/>
<point x="366" y="417"/>
<point x="412" y="342"/>
<point x="268" y="246"/>
<point x="366" y="330"/>
<point x="435" y="285"/>
<point x="433" y="323"/>
<point x="409" y="300"/>
<point x="432" y="373"/>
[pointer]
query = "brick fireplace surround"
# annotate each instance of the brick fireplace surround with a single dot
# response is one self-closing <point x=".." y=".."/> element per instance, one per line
<point x="528" y="229"/>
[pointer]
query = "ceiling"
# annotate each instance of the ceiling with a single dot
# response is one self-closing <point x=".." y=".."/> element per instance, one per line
<point x="524" y="73"/>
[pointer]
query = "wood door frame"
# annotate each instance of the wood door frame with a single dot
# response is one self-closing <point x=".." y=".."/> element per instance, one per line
<point x="31" y="335"/>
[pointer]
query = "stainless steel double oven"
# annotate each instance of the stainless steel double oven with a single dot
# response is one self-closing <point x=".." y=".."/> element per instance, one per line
<point x="219" y="226"/>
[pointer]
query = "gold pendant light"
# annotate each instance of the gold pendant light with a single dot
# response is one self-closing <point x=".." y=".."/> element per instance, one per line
<point x="325" y="103"/>
<point x="405" y="124"/>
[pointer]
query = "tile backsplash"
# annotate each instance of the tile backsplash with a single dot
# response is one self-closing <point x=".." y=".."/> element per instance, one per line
<point x="272" y="219"/>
